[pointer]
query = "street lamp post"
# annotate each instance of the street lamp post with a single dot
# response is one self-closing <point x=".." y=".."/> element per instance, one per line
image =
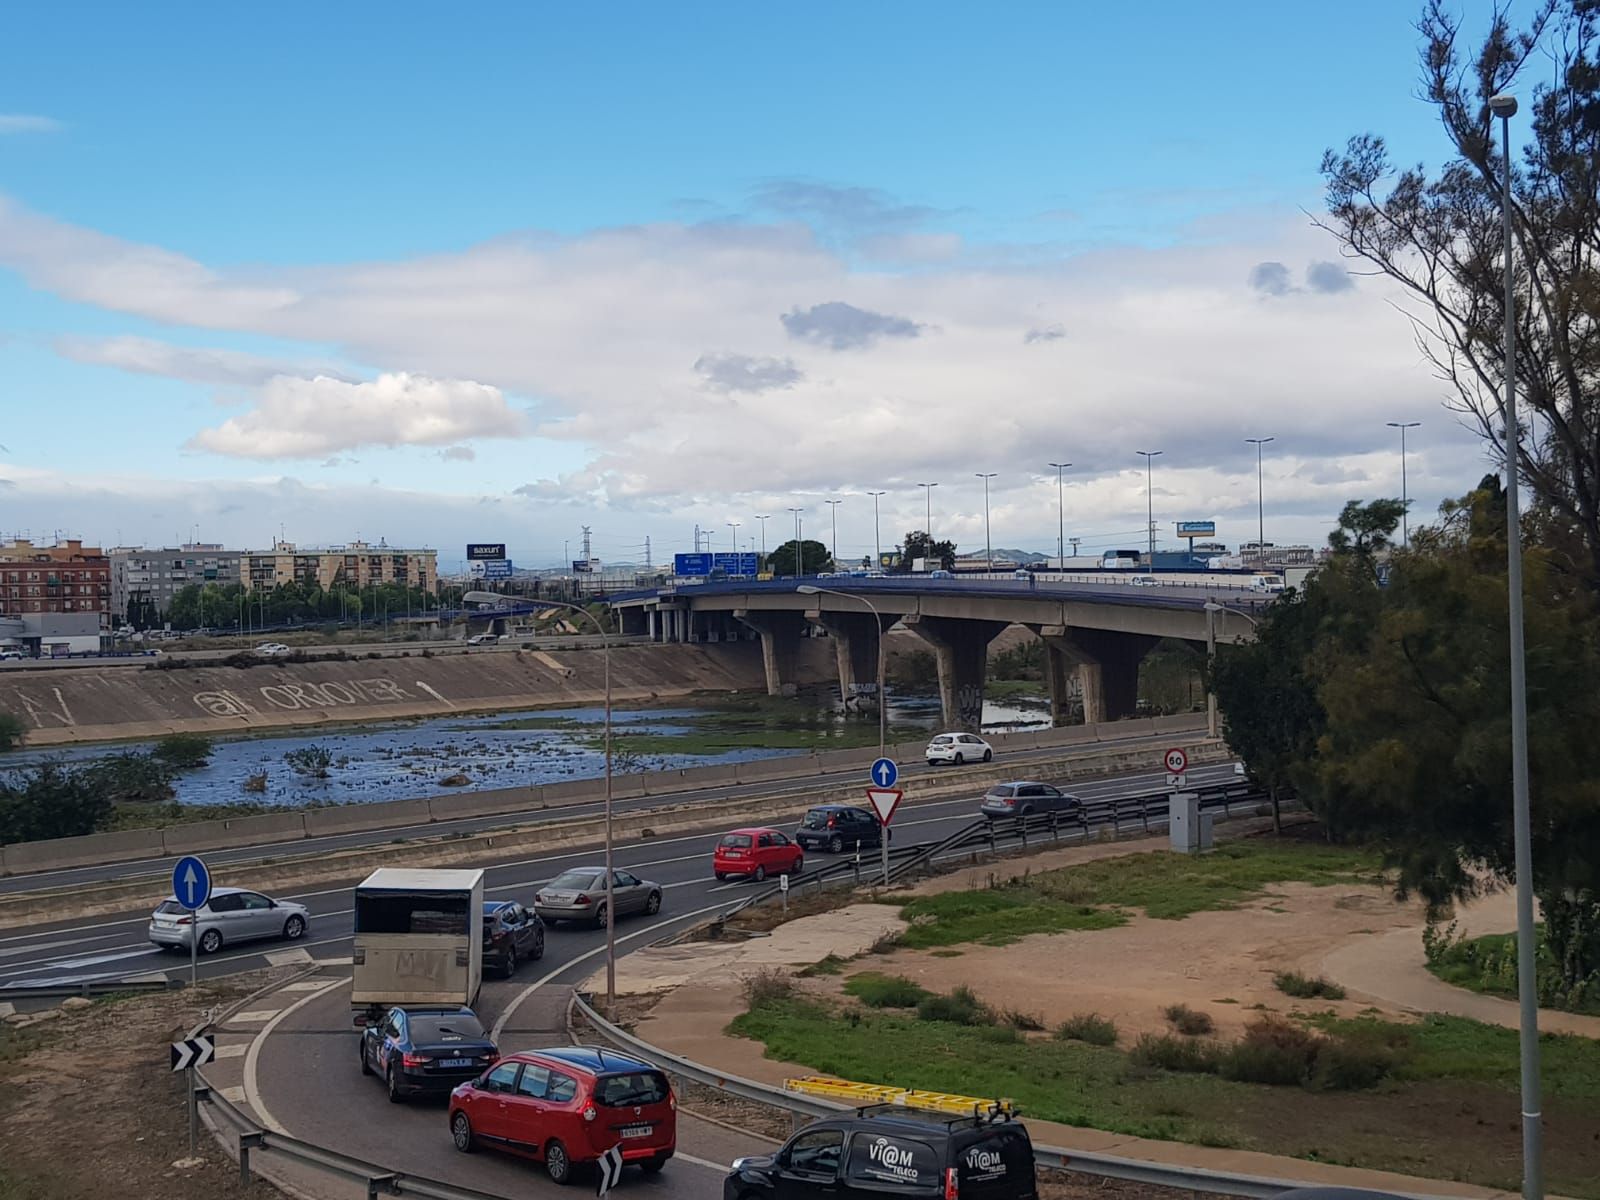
<point x="883" y="697"/>
<point x="798" y="573"/>
<point x="1505" y="107"/>
<point x="763" y="518"/>
<point x="833" y="549"/>
<point x="1061" y="511"/>
<point x="1150" y="503"/>
<point x="611" y="907"/>
<point x="988" y="541"/>
<point x="877" y="538"/>
<point x="1405" y="491"/>
<point x="1261" y="510"/>
<point x="734" y="525"/>
<point x="927" y="520"/>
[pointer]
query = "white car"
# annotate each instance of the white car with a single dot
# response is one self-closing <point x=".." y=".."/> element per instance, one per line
<point x="1144" y="581"/>
<point x="958" y="748"/>
<point x="271" y="649"/>
<point x="482" y="639"/>
<point x="12" y="655"/>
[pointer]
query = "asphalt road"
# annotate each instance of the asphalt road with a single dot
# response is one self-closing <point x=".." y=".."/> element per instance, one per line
<point x="160" y="868"/>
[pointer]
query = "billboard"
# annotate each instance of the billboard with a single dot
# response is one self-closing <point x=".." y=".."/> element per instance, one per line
<point x="582" y="566"/>
<point x="691" y="564"/>
<point x="497" y="568"/>
<point x="889" y="560"/>
<point x="1197" y="529"/>
<point x="735" y="564"/>
<point x="485" y="551"/>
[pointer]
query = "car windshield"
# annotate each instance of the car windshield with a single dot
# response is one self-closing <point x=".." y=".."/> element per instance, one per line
<point x="944" y="739"/>
<point x="1003" y="791"/>
<point x="578" y="881"/>
<point x="445" y="1027"/>
<point x="817" y="818"/>
<point x="735" y="841"/>
<point x="635" y="1087"/>
<point x="170" y="907"/>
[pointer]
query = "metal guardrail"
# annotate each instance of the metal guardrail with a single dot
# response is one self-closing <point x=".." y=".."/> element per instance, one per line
<point x="89" y="987"/>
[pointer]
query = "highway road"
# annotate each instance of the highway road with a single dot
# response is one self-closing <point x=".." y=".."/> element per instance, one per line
<point x="160" y="868"/>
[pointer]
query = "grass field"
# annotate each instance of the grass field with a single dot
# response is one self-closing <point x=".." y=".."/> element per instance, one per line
<point x="1100" y="895"/>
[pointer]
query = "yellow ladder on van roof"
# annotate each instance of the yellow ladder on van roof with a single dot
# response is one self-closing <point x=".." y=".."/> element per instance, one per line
<point x="860" y="1094"/>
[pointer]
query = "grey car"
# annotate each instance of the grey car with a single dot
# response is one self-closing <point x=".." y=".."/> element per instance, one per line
<point x="580" y="895"/>
<point x="231" y="915"/>
<point x="1025" y="797"/>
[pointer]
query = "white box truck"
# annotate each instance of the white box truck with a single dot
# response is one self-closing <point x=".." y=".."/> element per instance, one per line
<point x="418" y="939"/>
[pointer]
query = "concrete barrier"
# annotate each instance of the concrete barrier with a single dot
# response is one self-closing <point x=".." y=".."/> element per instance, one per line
<point x="234" y="832"/>
<point x="777" y="768"/>
<point x="573" y="792"/>
<point x="1179" y="721"/>
<point x="460" y="805"/>
<point x="83" y="851"/>
<point x="358" y="818"/>
<point x="843" y="760"/>
<point x="658" y="782"/>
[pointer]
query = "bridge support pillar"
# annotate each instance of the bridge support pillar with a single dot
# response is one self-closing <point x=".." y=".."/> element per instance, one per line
<point x="855" y="642"/>
<point x="961" y="649"/>
<point x="631" y="621"/>
<point x="1107" y="666"/>
<point x="780" y="642"/>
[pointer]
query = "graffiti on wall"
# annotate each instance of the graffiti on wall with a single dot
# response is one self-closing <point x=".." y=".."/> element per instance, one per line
<point x="292" y="696"/>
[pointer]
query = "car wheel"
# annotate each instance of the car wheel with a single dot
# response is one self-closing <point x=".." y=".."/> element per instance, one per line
<point x="600" y="914"/>
<point x="294" y="927"/>
<point x="461" y="1133"/>
<point x="960" y="759"/>
<point x="652" y="1166"/>
<point x="511" y="962"/>
<point x="393" y="1082"/>
<point x="538" y="948"/>
<point x="836" y="844"/>
<point x="988" y="756"/>
<point x="210" y="942"/>
<point x="721" y="878"/>
<point x="557" y="1163"/>
<point x="366" y="1066"/>
<point x="1027" y="810"/>
<point x="760" y="874"/>
<point x="653" y="905"/>
<point x="932" y="763"/>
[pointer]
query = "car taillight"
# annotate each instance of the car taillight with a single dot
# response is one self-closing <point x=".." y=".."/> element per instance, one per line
<point x="185" y="921"/>
<point x="589" y="1113"/>
<point x="672" y="1101"/>
<point x="952" y="1186"/>
<point x="492" y="1057"/>
<point x="832" y="821"/>
<point x="414" y="1060"/>
<point x="581" y="900"/>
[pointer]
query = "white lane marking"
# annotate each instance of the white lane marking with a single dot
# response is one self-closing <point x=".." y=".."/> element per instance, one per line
<point x="233" y="1095"/>
<point x="522" y="996"/>
<point x="7" y="1008"/>
<point x="288" y="958"/>
<point x="303" y="985"/>
<point x="719" y="1168"/>
<point x="15" y="950"/>
<point x="252" y="1089"/>
<point x="52" y="964"/>
<point x="252" y="1017"/>
<point x="237" y="1050"/>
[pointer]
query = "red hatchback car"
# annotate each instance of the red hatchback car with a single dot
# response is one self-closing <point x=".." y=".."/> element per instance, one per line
<point x="567" y="1107"/>
<point x="755" y="854"/>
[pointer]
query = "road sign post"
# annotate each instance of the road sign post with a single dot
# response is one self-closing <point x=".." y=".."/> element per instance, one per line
<point x="884" y="801"/>
<point x="188" y="1056"/>
<point x="783" y="889"/>
<point x="191" y="886"/>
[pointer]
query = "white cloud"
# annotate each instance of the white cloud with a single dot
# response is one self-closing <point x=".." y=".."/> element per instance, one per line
<point x="307" y="418"/>
<point x="26" y="123"/>
<point x="147" y="356"/>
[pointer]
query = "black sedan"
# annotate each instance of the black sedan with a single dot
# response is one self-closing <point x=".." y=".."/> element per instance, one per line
<point x="511" y="934"/>
<point x="837" y="828"/>
<point x="424" y="1051"/>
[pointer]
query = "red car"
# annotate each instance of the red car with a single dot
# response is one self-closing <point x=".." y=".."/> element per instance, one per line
<point x="568" y="1106"/>
<point x="755" y="854"/>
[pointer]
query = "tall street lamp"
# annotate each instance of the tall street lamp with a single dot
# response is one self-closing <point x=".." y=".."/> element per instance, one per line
<point x="1505" y="107"/>
<point x="611" y="907"/>
<point x="1150" y="503"/>
<point x="734" y="525"/>
<point x="1261" y="510"/>
<point x="1061" y="509"/>
<point x="807" y="589"/>
<point x="877" y="539"/>
<point x="1405" y="493"/>
<point x="763" y="518"/>
<point x="988" y="542"/>
<point x="798" y="573"/>
<point x="927" y="520"/>
<point x="833" y="550"/>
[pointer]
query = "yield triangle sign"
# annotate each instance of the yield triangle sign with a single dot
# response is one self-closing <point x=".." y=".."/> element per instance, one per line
<point x="884" y="801"/>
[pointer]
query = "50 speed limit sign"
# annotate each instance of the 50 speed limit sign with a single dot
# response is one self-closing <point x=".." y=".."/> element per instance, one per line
<point x="1177" y="764"/>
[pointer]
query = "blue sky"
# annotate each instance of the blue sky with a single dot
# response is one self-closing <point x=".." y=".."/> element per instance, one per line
<point x="390" y="183"/>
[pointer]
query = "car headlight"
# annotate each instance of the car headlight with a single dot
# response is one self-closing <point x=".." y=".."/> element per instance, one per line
<point x="739" y="1164"/>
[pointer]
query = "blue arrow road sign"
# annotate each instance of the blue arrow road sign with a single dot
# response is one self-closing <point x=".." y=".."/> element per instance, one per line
<point x="191" y="882"/>
<point x="884" y="772"/>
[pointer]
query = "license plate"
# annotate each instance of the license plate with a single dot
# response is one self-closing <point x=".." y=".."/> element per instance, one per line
<point x="447" y="1063"/>
<point x="636" y="1131"/>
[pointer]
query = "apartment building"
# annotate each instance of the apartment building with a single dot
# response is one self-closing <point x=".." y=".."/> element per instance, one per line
<point x="149" y="575"/>
<point x="67" y="577"/>
<point x="356" y="565"/>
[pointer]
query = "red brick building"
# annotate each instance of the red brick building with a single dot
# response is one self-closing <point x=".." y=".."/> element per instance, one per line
<point x="68" y="577"/>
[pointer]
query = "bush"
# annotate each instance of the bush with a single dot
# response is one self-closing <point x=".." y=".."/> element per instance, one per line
<point x="886" y="991"/>
<point x="1176" y="1053"/>
<point x="50" y="801"/>
<point x="767" y="986"/>
<point x="1088" y="1027"/>
<point x="12" y="731"/>
<point x="830" y="965"/>
<point x="183" y="751"/>
<point x="1348" y="1065"/>
<point x="255" y="783"/>
<point x="1273" y="1051"/>
<point x="960" y="1007"/>
<point x="1305" y="987"/>
<point x="310" y="761"/>
<point x="1017" y="1019"/>
<point x="1189" y="1022"/>
<point x="130" y="778"/>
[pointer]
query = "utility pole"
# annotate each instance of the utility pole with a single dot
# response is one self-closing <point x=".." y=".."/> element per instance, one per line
<point x="1061" y="511"/>
<point x="763" y="518"/>
<point x="927" y="520"/>
<point x="1405" y="491"/>
<point x="833" y="551"/>
<point x="647" y="552"/>
<point x="877" y="538"/>
<point x="1261" y="511"/>
<point x="1149" y="501"/>
<point x="988" y="542"/>
<point x="798" y="563"/>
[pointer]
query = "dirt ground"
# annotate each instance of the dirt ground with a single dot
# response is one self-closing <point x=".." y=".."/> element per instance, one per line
<point x="97" y="1081"/>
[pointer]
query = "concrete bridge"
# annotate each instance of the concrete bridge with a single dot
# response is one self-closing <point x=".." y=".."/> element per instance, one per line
<point x="1101" y="630"/>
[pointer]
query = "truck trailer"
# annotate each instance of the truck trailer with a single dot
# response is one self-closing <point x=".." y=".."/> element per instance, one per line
<point x="418" y="939"/>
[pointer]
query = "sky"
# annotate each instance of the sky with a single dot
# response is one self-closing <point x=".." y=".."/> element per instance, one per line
<point x="497" y="274"/>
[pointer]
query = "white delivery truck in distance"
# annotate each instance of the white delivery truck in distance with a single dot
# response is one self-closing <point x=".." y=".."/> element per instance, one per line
<point x="418" y="939"/>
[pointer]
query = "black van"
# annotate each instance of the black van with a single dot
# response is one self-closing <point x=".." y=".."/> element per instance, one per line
<point x="890" y="1150"/>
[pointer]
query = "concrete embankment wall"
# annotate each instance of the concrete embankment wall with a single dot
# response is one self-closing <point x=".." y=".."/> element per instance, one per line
<point x="61" y="707"/>
<point x="274" y="829"/>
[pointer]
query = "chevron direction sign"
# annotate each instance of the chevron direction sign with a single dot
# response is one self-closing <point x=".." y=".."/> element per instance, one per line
<point x="193" y="1052"/>
<point x="609" y="1172"/>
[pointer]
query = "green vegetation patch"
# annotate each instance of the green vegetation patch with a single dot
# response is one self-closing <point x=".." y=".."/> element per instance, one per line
<point x="877" y="990"/>
<point x="1488" y="964"/>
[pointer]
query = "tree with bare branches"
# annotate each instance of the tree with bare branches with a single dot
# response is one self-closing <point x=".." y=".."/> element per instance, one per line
<point x="1438" y="237"/>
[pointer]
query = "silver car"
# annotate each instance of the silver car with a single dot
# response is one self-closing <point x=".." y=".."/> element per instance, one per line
<point x="1024" y="798"/>
<point x="231" y="915"/>
<point x="580" y="895"/>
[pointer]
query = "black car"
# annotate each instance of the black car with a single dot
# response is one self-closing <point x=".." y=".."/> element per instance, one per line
<point x="887" y="1148"/>
<point x="426" y="1051"/>
<point x="837" y="828"/>
<point x="511" y="934"/>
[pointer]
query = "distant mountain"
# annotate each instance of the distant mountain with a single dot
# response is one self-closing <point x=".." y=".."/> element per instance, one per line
<point x="1003" y="555"/>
